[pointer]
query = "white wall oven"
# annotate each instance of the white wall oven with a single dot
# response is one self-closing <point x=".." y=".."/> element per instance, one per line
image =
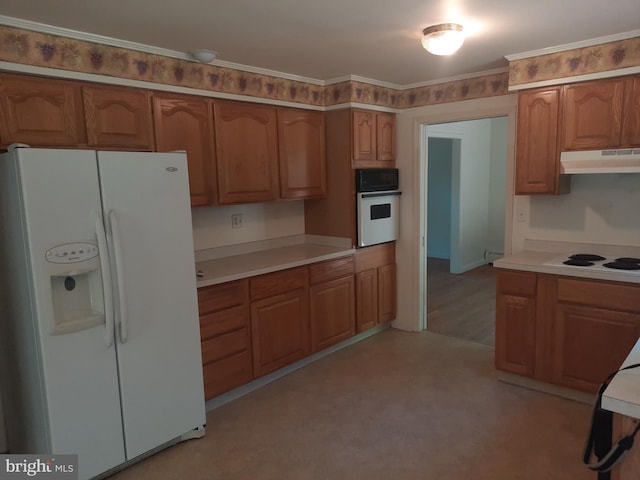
<point x="378" y="205"/>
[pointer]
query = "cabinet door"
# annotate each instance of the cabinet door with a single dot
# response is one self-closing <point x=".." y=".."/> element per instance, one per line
<point x="386" y="293"/>
<point x="364" y="138"/>
<point x="537" y="160"/>
<point x="118" y="117"/>
<point x="386" y="139"/>
<point x="516" y="323"/>
<point x="590" y="343"/>
<point x="631" y="114"/>
<point x="186" y="123"/>
<point x="246" y="152"/>
<point x="332" y="312"/>
<point x="280" y="330"/>
<point x="592" y="114"/>
<point x="41" y="112"/>
<point x="301" y="154"/>
<point x="366" y="299"/>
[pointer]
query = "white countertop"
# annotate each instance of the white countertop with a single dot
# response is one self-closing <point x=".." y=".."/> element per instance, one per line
<point x="535" y="261"/>
<point x="623" y="393"/>
<point x="236" y="267"/>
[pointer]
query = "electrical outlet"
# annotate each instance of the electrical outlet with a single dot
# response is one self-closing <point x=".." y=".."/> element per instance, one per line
<point x="522" y="215"/>
<point x="236" y="220"/>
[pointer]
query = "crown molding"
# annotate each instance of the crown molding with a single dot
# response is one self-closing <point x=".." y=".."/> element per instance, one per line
<point x="573" y="46"/>
<point x="357" y="78"/>
<point x="457" y="78"/>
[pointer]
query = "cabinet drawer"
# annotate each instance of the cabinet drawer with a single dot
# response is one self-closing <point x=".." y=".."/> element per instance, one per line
<point x="278" y="282"/>
<point x="322" y="272"/>
<point x="228" y="373"/>
<point x="614" y="296"/>
<point x="219" y="297"/>
<point x="225" y="345"/>
<point x="517" y="283"/>
<point x="217" y="323"/>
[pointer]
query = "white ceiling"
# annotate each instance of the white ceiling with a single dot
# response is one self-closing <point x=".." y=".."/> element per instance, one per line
<point x="326" y="39"/>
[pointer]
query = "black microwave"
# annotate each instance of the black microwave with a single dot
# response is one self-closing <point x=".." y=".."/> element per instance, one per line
<point x="376" y="179"/>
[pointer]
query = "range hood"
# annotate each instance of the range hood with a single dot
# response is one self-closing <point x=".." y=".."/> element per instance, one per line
<point x="625" y="160"/>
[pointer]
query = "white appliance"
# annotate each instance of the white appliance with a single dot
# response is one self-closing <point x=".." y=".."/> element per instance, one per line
<point x="377" y="205"/>
<point x="101" y="321"/>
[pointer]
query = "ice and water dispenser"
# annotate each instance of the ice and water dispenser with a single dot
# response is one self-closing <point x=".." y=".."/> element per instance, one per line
<point x="76" y="286"/>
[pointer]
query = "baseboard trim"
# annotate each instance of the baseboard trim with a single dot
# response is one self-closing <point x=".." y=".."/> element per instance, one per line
<point x="243" y="390"/>
<point x="558" y="391"/>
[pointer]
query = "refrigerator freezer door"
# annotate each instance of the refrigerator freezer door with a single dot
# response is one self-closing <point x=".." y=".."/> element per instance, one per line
<point x="159" y="363"/>
<point x="61" y="199"/>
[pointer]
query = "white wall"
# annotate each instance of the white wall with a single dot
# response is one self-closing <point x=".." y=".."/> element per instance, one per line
<point x="262" y="221"/>
<point x="601" y="208"/>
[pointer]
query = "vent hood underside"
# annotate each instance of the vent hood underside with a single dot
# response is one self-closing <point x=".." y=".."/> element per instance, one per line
<point x="601" y="161"/>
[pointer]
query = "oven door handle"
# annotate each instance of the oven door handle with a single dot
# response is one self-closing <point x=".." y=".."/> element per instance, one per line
<point x="380" y="194"/>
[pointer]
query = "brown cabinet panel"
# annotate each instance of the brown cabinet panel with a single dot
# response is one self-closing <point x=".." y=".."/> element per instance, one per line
<point x="324" y="271"/>
<point x="613" y="296"/>
<point x="386" y="139"/>
<point x="386" y="293"/>
<point x="515" y="334"/>
<point x="246" y="152"/>
<point x="186" y="123"/>
<point x="301" y="150"/>
<point x="592" y="114"/>
<point x="218" y="297"/>
<point x="226" y="374"/>
<point x="366" y="299"/>
<point x="118" y="117"/>
<point x="631" y="114"/>
<point x="223" y="321"/>
<point x="278" y="282"/>
<point x="375" y="256"/>
<point x="225" y="345"/>
<point x="364" y="136"/>
<point x="280" y="330"/>
<point x="41" y="112"/>
<point x="590" y="343"/>
<point x="332" y="312"/>
<point x="537" y="155"/>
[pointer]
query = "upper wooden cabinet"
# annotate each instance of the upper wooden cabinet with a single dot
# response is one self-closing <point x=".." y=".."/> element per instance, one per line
<point x="41" y="112"/>
<point x="301" y="151"/>
<point x="630" y="136"/>
<point x="246" y="152"/>
<point x="186" y="123"/>
<point x="118" y="117"/>
<point x="592" y="114"/>
<point x="374" y="139"/>
<point x="537" y="155"/>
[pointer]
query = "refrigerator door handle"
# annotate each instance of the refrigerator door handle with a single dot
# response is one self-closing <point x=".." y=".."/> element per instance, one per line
<point x="105" y="271"/>
<point x="122" y="301"/>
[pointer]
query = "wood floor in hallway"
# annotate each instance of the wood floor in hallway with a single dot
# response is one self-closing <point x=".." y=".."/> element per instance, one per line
<point x="461" y="305"/>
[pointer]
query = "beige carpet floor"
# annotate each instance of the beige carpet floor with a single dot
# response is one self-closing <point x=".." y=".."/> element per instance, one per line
<point x="396" y="406"/>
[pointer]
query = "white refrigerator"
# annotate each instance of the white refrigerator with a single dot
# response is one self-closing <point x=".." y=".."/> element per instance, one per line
<point x="100" y="319"/>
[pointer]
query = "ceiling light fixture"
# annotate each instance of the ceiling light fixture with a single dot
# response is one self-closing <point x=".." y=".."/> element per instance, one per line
<point x="443" y="39"/>
<point x="204" y="56"/>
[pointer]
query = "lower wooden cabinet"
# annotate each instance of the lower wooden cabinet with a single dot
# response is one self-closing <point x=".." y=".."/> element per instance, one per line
<point x="226" y="336"/>
<point x="568" y="331"/>
<point x="375" y="285"/>
<point x="332" y="303"/>
<point x="279" y="319"/>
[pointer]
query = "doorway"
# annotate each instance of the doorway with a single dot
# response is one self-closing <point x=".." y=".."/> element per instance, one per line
<point x="465" y="169"/>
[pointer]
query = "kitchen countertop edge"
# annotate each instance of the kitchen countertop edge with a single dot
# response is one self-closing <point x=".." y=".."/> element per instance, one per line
<point x="283" y="258"/>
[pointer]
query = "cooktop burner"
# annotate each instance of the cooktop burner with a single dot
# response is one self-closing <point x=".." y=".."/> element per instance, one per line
<point x="619" y="265"/>
<point x="578" y="262"/>
<point x="586" y="256"/>
<point x="628" y="259"/>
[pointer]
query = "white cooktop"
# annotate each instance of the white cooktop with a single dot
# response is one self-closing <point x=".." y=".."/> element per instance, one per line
<point x="598" y="265"/>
